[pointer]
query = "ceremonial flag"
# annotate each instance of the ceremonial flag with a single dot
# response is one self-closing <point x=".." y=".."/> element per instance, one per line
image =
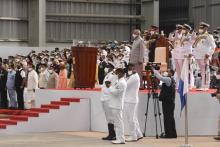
<point x="183" y="88"/>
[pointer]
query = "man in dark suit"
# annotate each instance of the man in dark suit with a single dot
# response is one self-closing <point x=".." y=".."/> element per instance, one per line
<point x="3" y="89"/>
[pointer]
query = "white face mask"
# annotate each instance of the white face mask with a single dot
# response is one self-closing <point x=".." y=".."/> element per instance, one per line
<point x="134" y="36"/>
<point x="120" y="58"/>
<point x="9" y="70"/>
<point x="130" y="72"/>
<point x="151" y="32"/>
<point x="218" y="77"/>
<point x="29" y="69"/>
<point x="50" y="71"/>
<point x="200" y="31"/>
<point x="184" y="31"/>
<point x="165" y="74"/>
<point x="106" y="70"/>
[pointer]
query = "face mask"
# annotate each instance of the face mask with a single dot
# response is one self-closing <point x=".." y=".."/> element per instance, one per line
<point x="200" y="31"/>
<point x="67" y="55"/>
<point x="120" y="58"/>
<point x="130" y="72"/>
<point x="134" y="36"/>
<point x="218" y="77"/>
<point x="9" y="70"/>
<point x="184" y="31"/>
<point x="29" y="69"/>
<point x="106" y="70"/>
<point x="165" y="74"/>
<point x="151" y="32"/>
<point x="17" y="60"/>
<point x="50" y="71"/>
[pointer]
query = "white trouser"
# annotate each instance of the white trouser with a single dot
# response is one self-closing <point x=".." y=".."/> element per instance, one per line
<point x="130" y="113"/>
<point x="205" y="73"/>
<point x="118" y="124"/>
<point x="30" y="102"/>
<point x="108" y="112"/>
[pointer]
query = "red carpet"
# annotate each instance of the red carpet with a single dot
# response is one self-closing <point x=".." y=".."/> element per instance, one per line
<point x="17" y="116"/>
<point x="142" y="91"/>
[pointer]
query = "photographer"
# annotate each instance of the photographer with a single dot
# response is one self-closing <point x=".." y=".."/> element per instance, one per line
<point x="167" y="96"/>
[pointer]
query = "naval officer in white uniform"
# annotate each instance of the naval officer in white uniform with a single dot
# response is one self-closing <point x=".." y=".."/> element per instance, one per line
<point x="204" y="46"/>
<point x="110" y="78"/>
<point x="131" y="104"/>
<point x="117" y="93"/>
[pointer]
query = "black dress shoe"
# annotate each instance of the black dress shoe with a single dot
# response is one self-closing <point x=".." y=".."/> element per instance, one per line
<point x="168" y="137"/>
<point x="217" y="138"/>
<point x="140" y="138"/>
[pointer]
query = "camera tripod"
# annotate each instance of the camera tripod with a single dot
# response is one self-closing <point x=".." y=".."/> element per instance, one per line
<point x="157" y="113"/>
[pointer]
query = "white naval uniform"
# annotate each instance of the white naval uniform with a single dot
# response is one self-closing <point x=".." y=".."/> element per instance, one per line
<point x="204" y="46"/>
<point x="117" y="91"/>
<point x="105" y="96"/>
<point x="182" y="47"/>
<point x="32" y="85"/>
<point x="131" y="104"/>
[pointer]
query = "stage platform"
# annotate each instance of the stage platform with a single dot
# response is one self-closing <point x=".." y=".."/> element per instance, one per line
<point x="204" y="110"/>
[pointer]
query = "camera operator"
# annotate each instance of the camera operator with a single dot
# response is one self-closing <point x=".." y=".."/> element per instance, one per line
<point x="215" y="84"/>
<point x="167" y="96"/>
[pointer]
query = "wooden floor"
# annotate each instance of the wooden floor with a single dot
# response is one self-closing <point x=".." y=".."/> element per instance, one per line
<point x="92" y="139"/>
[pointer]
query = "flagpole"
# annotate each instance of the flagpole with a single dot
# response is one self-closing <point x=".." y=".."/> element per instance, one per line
<point x="186" y="122"/>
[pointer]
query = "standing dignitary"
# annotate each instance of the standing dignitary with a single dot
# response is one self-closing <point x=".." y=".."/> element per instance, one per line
<point x="20" y="78"/>
<point x="62" y="76"/>
<point x="131" y="104"/>
<point x="110" y="79"/>
<point x="101" y="68"/>
<point x="3" y="89"/>
<point x="167" y="96"/>
<point x="183" y="48"/>
<point x="11" y="86"/>
<point x="43" y="76"/>
<point x="204" y="46"/>
<point x="117" y="92"/>
<point x="137" y="54"/>
<point x="32" y="85"/>
<point x="53" y="78"/>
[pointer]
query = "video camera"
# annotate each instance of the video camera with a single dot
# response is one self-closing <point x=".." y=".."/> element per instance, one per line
<point x="151" y="65"/>
<point x="152" y="81"/>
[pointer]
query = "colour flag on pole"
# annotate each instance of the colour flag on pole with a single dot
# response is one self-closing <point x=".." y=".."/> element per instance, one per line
<point x="183" y="88"/>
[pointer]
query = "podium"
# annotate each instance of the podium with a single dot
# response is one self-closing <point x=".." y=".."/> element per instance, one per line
<point x="84" y="66"/>
<point x="162" y="53"/>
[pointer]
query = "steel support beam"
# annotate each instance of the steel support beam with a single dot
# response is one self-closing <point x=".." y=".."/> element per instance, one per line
<point x="94" y="16"/>
<point x="37" y="23"/>
<point x="126" y="2"/>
